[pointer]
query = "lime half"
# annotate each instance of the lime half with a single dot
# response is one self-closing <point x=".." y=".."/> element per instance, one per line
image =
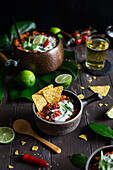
<point x="109" y="113"/>
<point x="63" y="79"/>
<point x="6" y="135"/>
<point x="38" y="39"/>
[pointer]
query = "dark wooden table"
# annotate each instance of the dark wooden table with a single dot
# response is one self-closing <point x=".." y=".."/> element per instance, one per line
<point x="70" y="143"/>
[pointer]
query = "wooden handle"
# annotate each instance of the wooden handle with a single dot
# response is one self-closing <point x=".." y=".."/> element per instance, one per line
<point x="45" y="142"/>
<point x="3" y="58"/>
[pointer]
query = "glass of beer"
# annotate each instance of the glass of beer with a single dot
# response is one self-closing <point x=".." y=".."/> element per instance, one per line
<point x="96" y="51"/>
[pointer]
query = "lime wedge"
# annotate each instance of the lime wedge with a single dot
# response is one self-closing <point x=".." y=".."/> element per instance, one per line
<point x="38" y="39"/>
<point x="109" y="113"/>
<point x="55" y="30"/>
<point x="6" y="135"/>
<point x="63" y="79"/>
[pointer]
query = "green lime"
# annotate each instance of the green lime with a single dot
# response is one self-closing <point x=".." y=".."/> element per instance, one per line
<point x="38" y="39"/>
<point x="26" y="78"/>
<point x="109" y="113"/>
<point x="55" y="30"/>
<point x="63" y="79"/>
<point x="6" y="135"/>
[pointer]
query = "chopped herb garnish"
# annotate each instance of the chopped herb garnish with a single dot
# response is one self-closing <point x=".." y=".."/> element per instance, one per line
<point x="70" y="115"/>
<point x="67" y="107"/>
<point x="68" y="101"/>
<point x="41" y="45"/>
<point x="33" y="46"/>
<point x="42" y="49"/>
<point x="24" y="44"/>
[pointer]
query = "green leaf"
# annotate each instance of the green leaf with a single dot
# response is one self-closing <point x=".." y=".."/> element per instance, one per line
<point x="22" y="26"/>
<point x="70" y="55"/>
<point x="102" y="130"/>
<point x="71" y="67"/>
<point x="79" y="160"/>
<point x="16" y="92"/>
<point x="49" y="78"/>
<point x="3" y="74"/>
<point x="4" y="42"/>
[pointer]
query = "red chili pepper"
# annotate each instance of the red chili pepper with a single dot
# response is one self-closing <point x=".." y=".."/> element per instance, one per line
<point x="46" y="43"/>
<point x="54" y="115"/>
<point x="33" y="160"/>
<point x="58" y="113"/>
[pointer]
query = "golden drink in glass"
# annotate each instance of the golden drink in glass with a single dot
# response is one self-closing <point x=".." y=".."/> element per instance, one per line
<point x="96" y="51"/>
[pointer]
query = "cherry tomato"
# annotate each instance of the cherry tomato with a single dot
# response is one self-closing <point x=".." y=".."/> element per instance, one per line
<point x="76" y="34"/>
<point x="78" y="41"/>
<point x="77" y="37"/>
<point x="87" y="31"/>
<point x="84" y="37"/>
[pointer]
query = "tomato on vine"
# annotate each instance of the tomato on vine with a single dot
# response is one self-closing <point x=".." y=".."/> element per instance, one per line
<point x="77" y="37"/>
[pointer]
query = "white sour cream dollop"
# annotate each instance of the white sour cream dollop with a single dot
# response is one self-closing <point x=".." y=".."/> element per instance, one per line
<point x="66" y="108"/>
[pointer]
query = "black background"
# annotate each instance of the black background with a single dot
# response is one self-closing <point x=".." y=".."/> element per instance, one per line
<point x="67" y="15"/>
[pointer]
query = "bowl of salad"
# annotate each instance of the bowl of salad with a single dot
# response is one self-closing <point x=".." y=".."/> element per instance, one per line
<point x="39" y="51"/>
<point x="101" y="159"/>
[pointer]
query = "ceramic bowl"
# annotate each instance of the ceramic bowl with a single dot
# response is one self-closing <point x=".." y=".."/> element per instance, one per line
<point x="56" y="129"/>
<point x="97" y="153"/>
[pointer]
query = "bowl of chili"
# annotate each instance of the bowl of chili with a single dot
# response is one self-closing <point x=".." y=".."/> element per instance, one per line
<point x="55" y="127"/>
<point x="42" y="60"/>
<point x="102" y="157"/>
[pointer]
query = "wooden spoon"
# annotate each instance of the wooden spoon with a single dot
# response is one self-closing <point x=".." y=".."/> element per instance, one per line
<point x="23" y="126"/>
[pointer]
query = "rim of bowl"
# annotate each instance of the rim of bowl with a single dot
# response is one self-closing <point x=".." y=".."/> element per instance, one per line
<point x="56" y="37"/>
<point x="80" y="112"/>
<point x="94" y="153"/>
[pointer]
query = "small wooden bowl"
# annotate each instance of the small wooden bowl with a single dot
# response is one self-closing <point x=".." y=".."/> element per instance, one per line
<point x="40" y="63"/>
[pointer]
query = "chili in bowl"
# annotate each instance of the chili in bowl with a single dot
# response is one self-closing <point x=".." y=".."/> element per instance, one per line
<point x="54" y="122"/>
<point x="35" y="41"/>
<point x="64" y="110"/>
<point x="41" y="51"/>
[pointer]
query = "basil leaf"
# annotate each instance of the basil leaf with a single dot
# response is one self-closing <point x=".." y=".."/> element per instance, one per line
<point x="71" y="67"/>
<point x="102" y="130"/>
<point x="69" y="54"/>
<point x="4" y="42"/>
<point x="16" y="92"/>
<point x="79" y="160"/>
<point x="22" y="26"/>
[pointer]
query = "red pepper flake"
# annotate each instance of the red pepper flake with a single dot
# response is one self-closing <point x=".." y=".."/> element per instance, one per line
<point x="34" y="160"/>
<point x="56" y="107"/>
<point x="46" y="43"/>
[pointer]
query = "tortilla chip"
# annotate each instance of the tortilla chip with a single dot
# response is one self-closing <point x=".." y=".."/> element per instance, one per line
<point x="81" y="96"/>
<point x="53" y="95"/>
<point x="83" y="137"/>
<point x="103" y="90"/>
<point x="39" y="101"/>
<point x="45" y="88"/>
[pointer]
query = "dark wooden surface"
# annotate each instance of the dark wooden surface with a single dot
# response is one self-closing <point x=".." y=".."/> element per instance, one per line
<point x="70" y="143"/>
